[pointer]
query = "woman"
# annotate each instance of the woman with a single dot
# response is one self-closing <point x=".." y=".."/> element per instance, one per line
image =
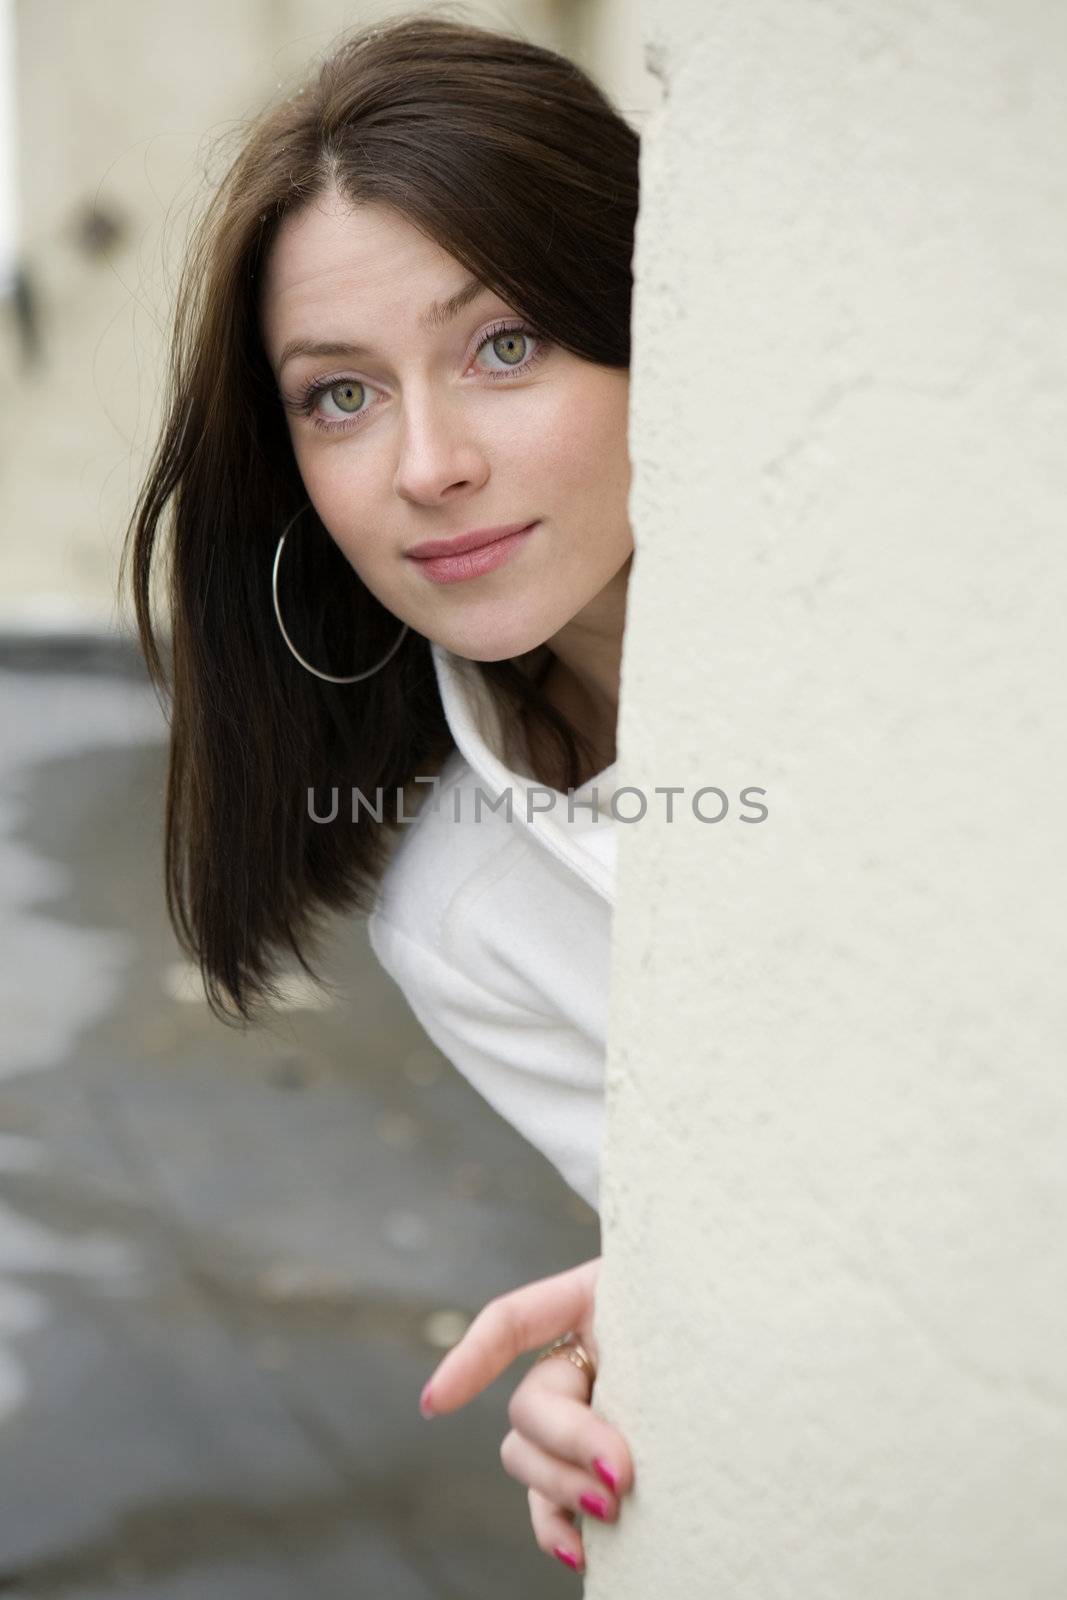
<point x="404" y="324"/>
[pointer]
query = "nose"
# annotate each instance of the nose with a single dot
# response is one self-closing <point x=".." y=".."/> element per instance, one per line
<point x="439" y="453"/>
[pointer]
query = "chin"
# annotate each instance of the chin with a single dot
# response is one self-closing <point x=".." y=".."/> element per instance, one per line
<point x="498" y="644"/>
<point x="484" y="653"/>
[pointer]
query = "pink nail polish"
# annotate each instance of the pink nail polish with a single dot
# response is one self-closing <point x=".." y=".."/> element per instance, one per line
<point x="565" y="1555"/>
<point x="594" y="1504"/>
<point x="605" y="1474"/>
<point x="424" y="1403"/>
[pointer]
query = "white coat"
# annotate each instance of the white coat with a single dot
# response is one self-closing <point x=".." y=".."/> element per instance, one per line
<point x="498" y="932"/>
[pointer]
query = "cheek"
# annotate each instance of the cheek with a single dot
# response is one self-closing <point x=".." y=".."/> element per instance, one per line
<point x="338" y="509"/>
<point x="331" y="487"/>
<point x="587" y="437"/>
<point x="311" y="465"/>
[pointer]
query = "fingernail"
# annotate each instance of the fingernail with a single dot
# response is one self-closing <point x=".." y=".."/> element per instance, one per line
<point x="424" y="1403"/>
<point x="605" y="1474"/>
<point x="565" y="1555"/>
<point x="594" y="1504"/>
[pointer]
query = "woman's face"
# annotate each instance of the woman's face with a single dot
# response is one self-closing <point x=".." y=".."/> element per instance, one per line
<point x="429" y="432"/>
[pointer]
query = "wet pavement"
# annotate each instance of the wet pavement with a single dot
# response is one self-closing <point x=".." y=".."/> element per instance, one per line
<point x="229" y="1259"/>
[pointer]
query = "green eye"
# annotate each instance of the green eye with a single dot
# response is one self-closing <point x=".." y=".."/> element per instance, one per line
<point x="506" y="342"/>
<point x="348" y="395"/>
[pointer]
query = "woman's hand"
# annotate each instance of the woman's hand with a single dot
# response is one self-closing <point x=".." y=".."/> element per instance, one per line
<point x="571" y="1459"/>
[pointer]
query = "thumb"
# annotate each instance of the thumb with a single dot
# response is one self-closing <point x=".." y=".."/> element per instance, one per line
<point x="523" y="1319"/>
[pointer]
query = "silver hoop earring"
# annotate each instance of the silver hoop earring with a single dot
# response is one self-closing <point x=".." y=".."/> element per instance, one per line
<point x="328" y="676"/>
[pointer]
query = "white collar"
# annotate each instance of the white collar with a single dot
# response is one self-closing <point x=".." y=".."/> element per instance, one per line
<point x="584" y="843"/>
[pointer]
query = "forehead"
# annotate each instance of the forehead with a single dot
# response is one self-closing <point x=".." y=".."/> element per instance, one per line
<point x="365" y="264"/>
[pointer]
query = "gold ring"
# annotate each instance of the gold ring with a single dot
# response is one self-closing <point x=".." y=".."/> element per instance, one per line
<point x="574" y="1352"/>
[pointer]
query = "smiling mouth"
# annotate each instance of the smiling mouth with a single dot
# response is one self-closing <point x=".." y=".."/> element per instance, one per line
<point x="477" y="539"/>
<point x="473" y="562"/>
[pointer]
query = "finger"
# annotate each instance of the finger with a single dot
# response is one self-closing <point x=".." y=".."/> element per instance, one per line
<point x="555" y="1532"/>
<point x="563" y="1484"/>
<point x="551" y="1408"/>
<point x="510" y="1324"/>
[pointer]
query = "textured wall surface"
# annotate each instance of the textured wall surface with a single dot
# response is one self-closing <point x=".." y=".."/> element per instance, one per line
<point x="833" y="1308"/>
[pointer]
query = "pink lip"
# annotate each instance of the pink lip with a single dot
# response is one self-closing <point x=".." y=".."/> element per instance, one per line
<point x="465" y="541"/>
<point x="476" y="558"/>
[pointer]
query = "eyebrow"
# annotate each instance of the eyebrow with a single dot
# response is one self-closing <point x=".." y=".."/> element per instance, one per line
<point x="435" y="316"/>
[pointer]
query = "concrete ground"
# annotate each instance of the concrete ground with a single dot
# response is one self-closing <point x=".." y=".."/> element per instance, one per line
<point x="229" y="1260"/>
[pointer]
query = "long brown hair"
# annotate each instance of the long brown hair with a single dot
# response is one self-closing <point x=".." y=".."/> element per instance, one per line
<point x="514" y="161"/>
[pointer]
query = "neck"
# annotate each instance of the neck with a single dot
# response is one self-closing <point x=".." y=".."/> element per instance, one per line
<point x="583" y="677"/>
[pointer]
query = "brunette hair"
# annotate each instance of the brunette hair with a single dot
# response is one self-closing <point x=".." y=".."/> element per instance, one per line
<point x="514" y="161"/>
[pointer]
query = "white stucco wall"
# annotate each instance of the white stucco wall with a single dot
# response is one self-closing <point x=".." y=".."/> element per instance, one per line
<point x="833" y="1306"/>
